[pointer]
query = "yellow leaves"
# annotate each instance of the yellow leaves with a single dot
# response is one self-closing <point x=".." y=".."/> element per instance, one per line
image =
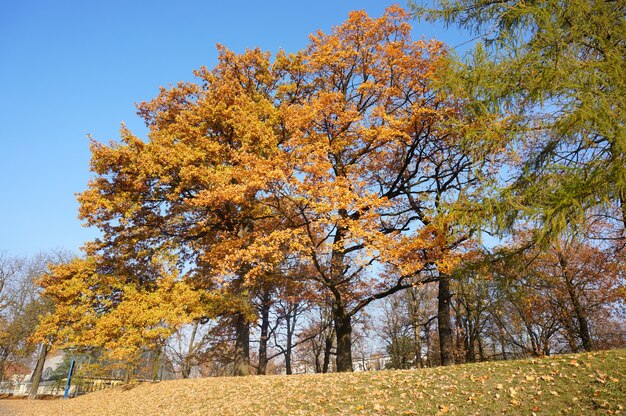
<point x="115" y="311"/>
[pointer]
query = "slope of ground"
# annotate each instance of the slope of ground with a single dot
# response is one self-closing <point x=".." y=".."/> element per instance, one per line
<point x="570" y="384"/>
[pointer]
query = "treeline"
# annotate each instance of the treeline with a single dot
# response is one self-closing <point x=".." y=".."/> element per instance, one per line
<point x="21" y="307"/>
<point x="567" y="297"/>
<point x="278" y="198"/>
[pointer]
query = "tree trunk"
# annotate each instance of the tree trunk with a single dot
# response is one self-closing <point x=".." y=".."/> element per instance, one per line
<point x="343" y="330"/>
<point x="130" y="369"/>
<point x="156" y="364"/>
<point x="265" y="324"/>
<point x="3" y="366"/>
<point x="471" y="343"/>
<point x="36" y="378"/>
<point x="428" y="362"/>
<point x="290" y="318"/>
<point x="581" y="317"/>
<point x="343" y="324"/>
<point x="328" y="347"/>
<point x="316" y="360"/>
<point x="481" y="350"/>
<point x="444" y="321"/>
<point x="288" y="369"/>
<point x="241" y="366"/>
<point x="417" y="342"/>
<point x="622" y="200"/>
<point x="571" y="334"/>
<point x="186" y="366"/>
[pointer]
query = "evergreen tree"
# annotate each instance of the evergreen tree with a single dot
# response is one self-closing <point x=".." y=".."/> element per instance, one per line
<point x="547" y="81"/>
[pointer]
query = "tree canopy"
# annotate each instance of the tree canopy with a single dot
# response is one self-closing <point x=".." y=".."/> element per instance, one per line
<point x="361" y="166"/>
<point x="549" y="75"/>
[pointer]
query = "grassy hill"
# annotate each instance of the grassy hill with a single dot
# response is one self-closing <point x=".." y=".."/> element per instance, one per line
<point x="570" y="384"/>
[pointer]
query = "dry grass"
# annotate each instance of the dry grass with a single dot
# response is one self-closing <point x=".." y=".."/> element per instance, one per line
<point x="581" y="384"/>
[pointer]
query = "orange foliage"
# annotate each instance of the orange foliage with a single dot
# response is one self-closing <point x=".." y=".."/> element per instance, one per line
<point x="339" y="157"/>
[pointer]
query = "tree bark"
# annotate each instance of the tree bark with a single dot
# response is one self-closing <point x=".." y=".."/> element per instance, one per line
<point x="265" y="324"/>
<point x="316" y="361"/>
<point x="342" y="320"/>
<point x="186" y="366"/>
<point x="36" y="378"/>
<point x="241" y="366"/>
<point x="444" y="321"/>
<point x="328" y="346"/>
<point x="288" y="347"/>
<point x="343" y="329"/>
<point x="581" y="317"/>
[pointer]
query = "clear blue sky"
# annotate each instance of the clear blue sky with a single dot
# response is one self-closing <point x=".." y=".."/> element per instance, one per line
<point x="72" y="68"/>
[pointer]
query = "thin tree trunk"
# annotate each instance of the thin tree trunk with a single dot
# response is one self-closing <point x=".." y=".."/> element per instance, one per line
<point x="130" y="369"/>
<point x="241" y="366"/>
<point x="186" y="367"/>
<point x="328" y="346"/>
<point x="581" y="317"/>
<point x="288" y="319"/>
<point x="481" y="350"/>
<point x="156" y="364"/>
<point x="444" y="321"/>
<point x="36" y="378"/>
<point x="428" y="346"/>
<point x="417" y="341"/>
<point x="471" y="343"/>
<point x="265" y="324"/>
<point x="622" y="201"/>
<point x="318" y="364"/>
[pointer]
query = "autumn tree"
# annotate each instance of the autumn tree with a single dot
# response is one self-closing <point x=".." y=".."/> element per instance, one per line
<point x="471" y="309"/>
<point x="554" y="298"/>
<point x="341" y="156"/>
<point x="21" y="308"/>
<point x="373" y="166"/>
<point x="122" y="315"/>
<point x="583" y="283"/>
<point x="10" y="271"/>
<point x="317" y="338"/>
<point x="191" y="189"/>
<point x="398" y="334"/>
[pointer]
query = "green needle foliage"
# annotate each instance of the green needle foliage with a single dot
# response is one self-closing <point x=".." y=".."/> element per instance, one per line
<point x="546" y="83"/>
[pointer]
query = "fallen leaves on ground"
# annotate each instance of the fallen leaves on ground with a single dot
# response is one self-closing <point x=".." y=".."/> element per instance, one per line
<point x="546" y="386"/>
